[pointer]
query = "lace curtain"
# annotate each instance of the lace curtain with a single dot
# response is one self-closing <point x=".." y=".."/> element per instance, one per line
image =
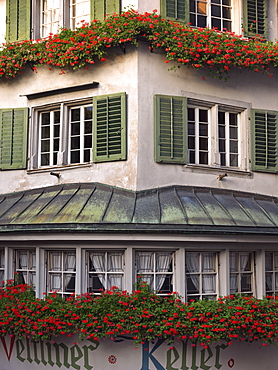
<point x="152" y="265"/>
<point x="114" y="264"/>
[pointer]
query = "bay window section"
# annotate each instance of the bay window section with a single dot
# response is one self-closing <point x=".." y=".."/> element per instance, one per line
<point x="241" y="273"/>
<point x="61" y="272"/>
<point x="271" y="273"/>
<point x="105" y="270"/>
<point x="156" y="269"/>
<point x="201" y="275"/>
<point x="25" y="266"/>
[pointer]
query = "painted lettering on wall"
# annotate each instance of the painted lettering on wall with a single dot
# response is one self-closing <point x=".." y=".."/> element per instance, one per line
<point x="155" y="355"/>
<point x="185" y="359"/>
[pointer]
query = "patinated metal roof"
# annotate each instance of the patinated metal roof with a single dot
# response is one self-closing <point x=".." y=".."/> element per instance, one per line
<point x="97" y="207"/>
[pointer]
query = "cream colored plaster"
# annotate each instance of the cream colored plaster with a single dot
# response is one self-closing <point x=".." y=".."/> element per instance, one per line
<point x="117" y="74"/>
<point x="246" y="89"/>
<point x="2" y="21"/>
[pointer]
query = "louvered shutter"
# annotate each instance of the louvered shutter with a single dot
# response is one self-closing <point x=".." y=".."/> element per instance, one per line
<point x="170" y="129"/>
<point x="109" y="133"/>
<point x="13" y="138"/>
<point x="175" y="9"/>
<point x="99" y="8"/>
<point x="255" y="18"/>
<point x="18" y="23"/>
<point x="264" y="141"/>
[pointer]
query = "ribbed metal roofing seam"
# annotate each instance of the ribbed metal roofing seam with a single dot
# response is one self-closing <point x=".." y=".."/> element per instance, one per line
<point x="93" y="203"/>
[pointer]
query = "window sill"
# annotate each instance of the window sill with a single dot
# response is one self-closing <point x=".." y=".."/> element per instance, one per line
<point x="216" y="170"/>
<point x="59" y="168"/>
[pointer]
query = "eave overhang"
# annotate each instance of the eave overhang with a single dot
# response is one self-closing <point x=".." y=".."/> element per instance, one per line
<point x="98" y="208"/>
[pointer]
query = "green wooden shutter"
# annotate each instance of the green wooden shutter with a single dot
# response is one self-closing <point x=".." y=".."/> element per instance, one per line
<point x="13" y="138"/>
<point x="109" y="128"/>
<point x="18" y="22"/>
<point x="99" y="8"/>
<point x="264" y="141"/>
<point x="175" y="9"/>
<point x="255" y="18"/>
<point x="170" y="129"/>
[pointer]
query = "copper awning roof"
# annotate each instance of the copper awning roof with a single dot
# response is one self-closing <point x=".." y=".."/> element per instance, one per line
<point x="98" y="207"/>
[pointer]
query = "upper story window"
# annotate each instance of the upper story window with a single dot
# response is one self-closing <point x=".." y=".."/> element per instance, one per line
<point x="220" y="14"/>
<point x="79" y="132"/>
<point x="211" y="13"/>
<point x="197" y="132"/>
<point x="36" y="19"/>
<point x="76" y="132"/>
<point x="54" y="15"/>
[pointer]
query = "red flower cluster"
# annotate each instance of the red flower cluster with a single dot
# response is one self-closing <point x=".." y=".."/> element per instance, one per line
<point x="195" y="48"/>
<point x="141" y="314"/>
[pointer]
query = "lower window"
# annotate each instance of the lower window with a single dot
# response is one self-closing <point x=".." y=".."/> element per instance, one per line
<point x="271" y="273"/>
<point x="25" y="266"/>
<point x="156" y="269"/>
<point x="201" y="275"/>
<point x="61" y="272"/>
<point x="241" y="273"/>
<point x="105" y="270"/>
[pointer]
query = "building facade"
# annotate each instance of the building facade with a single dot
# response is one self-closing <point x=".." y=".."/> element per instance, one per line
<point x="184" y="191"/>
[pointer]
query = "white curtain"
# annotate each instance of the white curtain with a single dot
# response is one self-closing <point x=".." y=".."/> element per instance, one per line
<point x="163" y="264"/>
<point x="114" y="264"/>
<point x="153" y="264"/>
<point x="192" y="266"/>
<point x="70" y="265"/>
<point x="208" y="280"/>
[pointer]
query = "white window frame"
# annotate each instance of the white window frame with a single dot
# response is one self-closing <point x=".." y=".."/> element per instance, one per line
<point x="27" y="273"/>
<point x="228" y="139"/>
<point x="104" y="272"/>
<point x="60" y="272"/>
<point x="63" y="154"/>
<point x="2" y="265"/>
<point x="65" y="17"/>
<point x="198" y="137"/>
<point x="240" y="273"/>
<point x="209" y="17"/>
<point x="79" y="20"/>
<point x="151" y="274"/>
<point x="200" y="274"/>
<point x="83" y="134"/>
<point x="214" y="155"/>
<point x="273" y="274"/>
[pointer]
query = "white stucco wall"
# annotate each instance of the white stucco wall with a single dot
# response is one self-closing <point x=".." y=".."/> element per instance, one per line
<point x="118" y="74"/>
<point x="2" y="21"/>
<point x="246" y="89"/>
<point x="64" y="353"/>
<point x="142" y="74"/>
